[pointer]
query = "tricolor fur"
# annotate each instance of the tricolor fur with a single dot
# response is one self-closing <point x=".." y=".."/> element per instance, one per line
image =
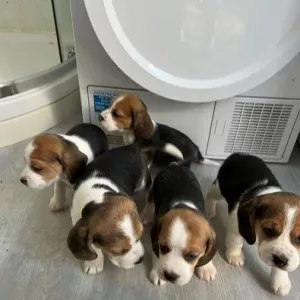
<point x="182" y="239"/>
<point x="260" y="212"/>
<point x="60" y="158"/>
<point x="105" y="218"/>
<point x="128" y="112"/>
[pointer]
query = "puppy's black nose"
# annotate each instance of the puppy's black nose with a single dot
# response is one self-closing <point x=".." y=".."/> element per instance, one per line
<point x="101" y="119"/>
<point x="170" y="276"/>
<point x="139" y="260"/>
<point x="23" y="180"/>
<point x="280" y="261"/>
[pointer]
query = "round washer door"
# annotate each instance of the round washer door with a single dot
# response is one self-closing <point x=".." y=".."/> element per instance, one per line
<point x="197" y="50"/>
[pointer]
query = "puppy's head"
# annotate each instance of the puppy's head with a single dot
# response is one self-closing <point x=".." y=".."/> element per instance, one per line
<point x="273" y="221"/>
<point x="128" y="112"/>
<point x="115" y="227"/>
<point x="181" y="240"/>
<point x="47" y="157"/>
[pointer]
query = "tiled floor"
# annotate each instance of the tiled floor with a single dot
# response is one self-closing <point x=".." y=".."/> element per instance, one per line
<point x="23" y="54"/>
<point x="35" y="262"/>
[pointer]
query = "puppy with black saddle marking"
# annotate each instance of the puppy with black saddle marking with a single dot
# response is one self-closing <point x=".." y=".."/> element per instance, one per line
<point x="260" y="212"/>
<point x="183" y="240"/>
<point x="60" y="158"/>
<point x="105" y="219"/>
<point x="128" y="112"/>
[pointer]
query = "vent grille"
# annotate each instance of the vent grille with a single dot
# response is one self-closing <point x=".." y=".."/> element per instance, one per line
<point x="257" y="128"/>
<point x="115" y="140"/>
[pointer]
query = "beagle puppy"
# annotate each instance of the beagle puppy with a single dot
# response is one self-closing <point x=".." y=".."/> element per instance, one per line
<point x="59" y="159"/>
<point x="128" y="112"/>
<point x="105" y="219"/>
<point x="260" y="212"/>
<point x="183" y="241"/>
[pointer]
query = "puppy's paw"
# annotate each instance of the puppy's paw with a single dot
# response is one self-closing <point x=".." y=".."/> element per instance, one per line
<point x="93" y="267"/>
<point x="146" y="215"/>
<point x="146" y="220"/>
<point x="235" y="259"/>
<point x="211" y="208"/>
<point x="56" y="204"/>
<point x="154" y="278"/>
<point x="281" y="284"/>
<point x="281" y="288"/>
<point x="207" y="272"/>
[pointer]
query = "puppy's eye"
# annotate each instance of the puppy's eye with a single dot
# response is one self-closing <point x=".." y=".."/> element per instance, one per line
<point x="36" y="168"/>
<point x="115" y="113"/>
<point x="124" y="251"/>
<point x="270" y="232"/>
<point x="190" y="257"/>
<point x="297" y="240"/>
<point x="119" y="252"/>
<point x="164" y="249"/>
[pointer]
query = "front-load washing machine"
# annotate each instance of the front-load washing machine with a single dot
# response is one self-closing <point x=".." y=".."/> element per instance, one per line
<point x="227" y="73"/>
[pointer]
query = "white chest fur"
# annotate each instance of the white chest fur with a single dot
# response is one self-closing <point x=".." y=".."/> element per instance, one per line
<point x="269" y="190"/>
<point x="185" y="203"/>
<point x="86" y="193"/>
<point x="81" y="144"/>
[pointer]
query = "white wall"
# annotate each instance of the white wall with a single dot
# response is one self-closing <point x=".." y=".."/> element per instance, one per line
<point x="26" y="15"/>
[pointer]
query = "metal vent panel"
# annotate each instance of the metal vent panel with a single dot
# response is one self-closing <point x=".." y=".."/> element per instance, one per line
<point x="264" y="127"/>
<point x="258" y="128"/>
<point x="115" y="140"/>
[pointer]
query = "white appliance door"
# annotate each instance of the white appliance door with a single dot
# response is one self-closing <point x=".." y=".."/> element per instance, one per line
<point x="197" y="50"/>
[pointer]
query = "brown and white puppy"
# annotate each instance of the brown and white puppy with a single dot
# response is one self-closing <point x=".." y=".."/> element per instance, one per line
<point x="128" y="112"/>
<point x="104" y="217"/>
<point x="59" y="158"/>
<point x="182" y="239"/>
<point x="261" y="213"/>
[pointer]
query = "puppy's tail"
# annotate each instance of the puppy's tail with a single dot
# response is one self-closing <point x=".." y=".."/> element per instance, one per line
<point x="206" y="161"/>
<point x="149" y="146"/>
<point x="209" y="162"/>
<point x="171" y="150"/>
<point x="186" y="162"/>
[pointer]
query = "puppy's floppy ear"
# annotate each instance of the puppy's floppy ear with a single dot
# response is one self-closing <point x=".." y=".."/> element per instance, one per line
<point x="73" y="161"/>
<point x="155" y="230"/>
<point x="89" y="209"/>
<point x="80" y="242"/>
<point x="141" y="122"/>
<point x="246" y="218"/>
<point x="81" y="236"/>
<point x="210" y="249"/>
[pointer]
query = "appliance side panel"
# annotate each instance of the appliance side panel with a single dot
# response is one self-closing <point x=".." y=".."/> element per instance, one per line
<point x="284" y="84"/>
<point x="220" y="126"/>
<point x="93" y="64"/>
